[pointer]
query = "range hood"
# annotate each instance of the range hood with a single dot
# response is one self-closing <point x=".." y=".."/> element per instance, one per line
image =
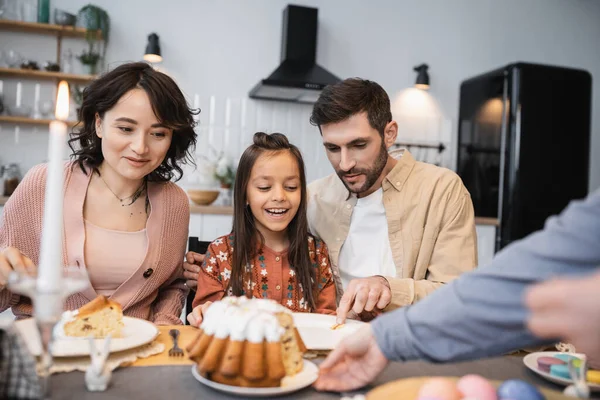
<point x="298" y="78"/>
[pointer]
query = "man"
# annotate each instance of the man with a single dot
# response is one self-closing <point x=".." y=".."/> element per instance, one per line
<point x="487" y="312"/>
<point x="396" y="229"/>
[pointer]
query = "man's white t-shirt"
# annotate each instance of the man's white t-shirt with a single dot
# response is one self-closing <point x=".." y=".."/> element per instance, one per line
<point x="366" y="251"/>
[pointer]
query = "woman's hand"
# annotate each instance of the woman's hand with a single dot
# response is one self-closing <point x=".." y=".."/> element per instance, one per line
<point x="11" y="259"/>
<point x="195" y="317"/>
<point x="191" y="268"/>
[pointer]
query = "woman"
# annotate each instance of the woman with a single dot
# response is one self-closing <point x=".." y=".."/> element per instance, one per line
<point x="124" y="221"/>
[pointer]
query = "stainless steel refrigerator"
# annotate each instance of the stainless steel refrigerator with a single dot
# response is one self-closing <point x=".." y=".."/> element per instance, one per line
<point x="524" y="144"/>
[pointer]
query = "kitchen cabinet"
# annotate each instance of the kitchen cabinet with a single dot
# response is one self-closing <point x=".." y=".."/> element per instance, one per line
<point x="208" y="227"/>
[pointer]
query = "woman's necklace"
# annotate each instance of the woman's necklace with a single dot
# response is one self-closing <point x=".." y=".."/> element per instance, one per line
<point x="136" y="195"/>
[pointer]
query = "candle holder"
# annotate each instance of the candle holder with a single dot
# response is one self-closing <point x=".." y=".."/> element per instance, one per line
<point x="48" y="307"/>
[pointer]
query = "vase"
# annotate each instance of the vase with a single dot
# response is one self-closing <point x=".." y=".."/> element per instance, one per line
<point x="43" y="11"/>
<point x="226" y="195"/>
<point x="90" y="69"/>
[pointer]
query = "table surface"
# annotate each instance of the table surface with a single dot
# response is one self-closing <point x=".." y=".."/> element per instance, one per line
<point x="177" y="382"/>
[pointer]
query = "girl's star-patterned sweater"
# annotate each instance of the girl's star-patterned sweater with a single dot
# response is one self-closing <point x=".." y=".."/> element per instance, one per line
<point x="272" y="276"/>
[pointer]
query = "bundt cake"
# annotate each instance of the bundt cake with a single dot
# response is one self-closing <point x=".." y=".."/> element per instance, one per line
<point x="247" y="342"/>
<point x="98" y="318"/>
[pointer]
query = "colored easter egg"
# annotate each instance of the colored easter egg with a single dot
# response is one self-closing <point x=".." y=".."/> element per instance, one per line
<point x="562" y="371"/>
<point x="544" y="363"/>
<point x="565" y="357"/>
<point x="593" y="376"/>
<point x="440" y="389"/>
<point x="518" y="390"/>
<point x="477" y="387"/>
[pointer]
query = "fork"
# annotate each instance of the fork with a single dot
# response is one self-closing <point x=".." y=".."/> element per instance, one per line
<point x="175" y="351"/>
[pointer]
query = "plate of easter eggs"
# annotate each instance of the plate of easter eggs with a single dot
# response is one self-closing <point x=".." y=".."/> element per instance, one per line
<point x="467" y="387"/>
<point x="553" y="365"/>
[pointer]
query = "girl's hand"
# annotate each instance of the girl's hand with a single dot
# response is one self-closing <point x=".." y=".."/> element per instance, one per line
<point x="11" y="259"/>
<point x="195" y="317"/>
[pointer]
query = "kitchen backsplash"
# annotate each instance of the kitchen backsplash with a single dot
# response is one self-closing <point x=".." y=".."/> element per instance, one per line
<point x="226" y="125"/>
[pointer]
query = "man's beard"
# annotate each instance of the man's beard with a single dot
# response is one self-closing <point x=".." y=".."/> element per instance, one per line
<point x="371" y="174"/>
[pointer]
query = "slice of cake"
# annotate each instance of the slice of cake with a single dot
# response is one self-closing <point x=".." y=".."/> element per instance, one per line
<point x="248" y="342"/>
<point x="98" y="318"/>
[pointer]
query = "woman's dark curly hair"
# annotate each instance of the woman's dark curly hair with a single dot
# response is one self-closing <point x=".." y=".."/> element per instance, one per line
<point x="169" y="106"/>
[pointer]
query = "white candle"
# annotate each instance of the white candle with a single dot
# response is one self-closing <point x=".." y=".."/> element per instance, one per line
<point x="227" y="122"/>
<point x="50" y="272"/>
<point x="36" y="97"/>
<point x="243" y="116"/>
<point x="227" y="112"/>
<point x="196" y="106"/>
<point x="36" y="102"/>
<point x="19" y="89"/>
<point x="211" y="117"/>
<point x="211" y="121"/>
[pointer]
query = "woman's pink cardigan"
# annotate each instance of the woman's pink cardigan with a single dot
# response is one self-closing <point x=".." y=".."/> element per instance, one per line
<point x="156" y="290"/>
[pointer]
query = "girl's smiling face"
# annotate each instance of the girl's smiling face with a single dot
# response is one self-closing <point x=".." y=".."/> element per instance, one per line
<point x="273" y="192"/>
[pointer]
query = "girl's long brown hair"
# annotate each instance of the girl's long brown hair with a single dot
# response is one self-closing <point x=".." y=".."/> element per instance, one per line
<point x="247" y="237"/>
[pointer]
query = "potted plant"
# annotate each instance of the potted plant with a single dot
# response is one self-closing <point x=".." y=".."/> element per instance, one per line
<point x="224" y="172"/>
<point x="89" y="58"/>
<point x="94" y="19"/>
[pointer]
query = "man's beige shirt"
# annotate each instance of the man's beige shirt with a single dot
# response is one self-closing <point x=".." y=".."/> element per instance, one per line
<point x="430" y="219"/>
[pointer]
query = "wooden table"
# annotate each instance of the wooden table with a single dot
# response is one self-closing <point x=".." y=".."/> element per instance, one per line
<point x="164" y="377"/>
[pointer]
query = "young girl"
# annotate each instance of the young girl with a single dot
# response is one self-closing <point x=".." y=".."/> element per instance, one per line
<point x="269" y="253"/>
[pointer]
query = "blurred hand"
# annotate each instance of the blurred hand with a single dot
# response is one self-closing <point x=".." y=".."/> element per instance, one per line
<point x="195" y="317"/>
<point x="11" y="259"/>
<point x="370" y="294"/>
<point x="191" y="268"/>
<point x="354" y="363"/>
<point x="568" y="309"/>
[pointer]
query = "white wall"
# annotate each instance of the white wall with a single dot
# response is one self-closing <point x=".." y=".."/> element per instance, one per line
<point x="224" y="47"/>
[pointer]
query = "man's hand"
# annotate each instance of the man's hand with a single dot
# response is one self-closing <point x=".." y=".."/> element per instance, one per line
<point x="568" y="309"/>
<point x="11" y="259"/>
<point x="355" y="362"/>
<point x="364" y="294"/>
<point x="191" y="268"/>
<point x="197" y="314"/>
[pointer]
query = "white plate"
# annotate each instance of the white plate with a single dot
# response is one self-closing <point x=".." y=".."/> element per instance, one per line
<point x="305" y="378"/>
<point x="530" y="361"/>
<point x="316" y="331"/>
<point x="136" y="332"/>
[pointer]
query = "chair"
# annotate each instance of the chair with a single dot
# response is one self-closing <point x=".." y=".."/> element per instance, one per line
<point x="199" y="247"/>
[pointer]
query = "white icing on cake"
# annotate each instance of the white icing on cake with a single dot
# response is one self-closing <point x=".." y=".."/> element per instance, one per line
<point x="240" y="318"/>
<point x="66" y="317"/>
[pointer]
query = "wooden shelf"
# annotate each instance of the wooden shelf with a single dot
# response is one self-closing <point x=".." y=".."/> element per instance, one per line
<point x="34" y="27"/>
<point x="30" y="121"/>
<point x="32" y="74"/>
<point x="215" y="210"/>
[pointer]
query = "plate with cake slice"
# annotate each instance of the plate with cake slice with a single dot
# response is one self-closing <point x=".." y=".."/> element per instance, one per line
<point x="99" y="318"/>
<point x="321" y="332"/>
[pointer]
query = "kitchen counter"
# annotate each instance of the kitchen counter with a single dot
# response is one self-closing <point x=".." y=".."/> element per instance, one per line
<point x="214" y="210"/>
<point x="194" y="209"/>
<point x="224" y="210"/>
<point x="486" y="221"/>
